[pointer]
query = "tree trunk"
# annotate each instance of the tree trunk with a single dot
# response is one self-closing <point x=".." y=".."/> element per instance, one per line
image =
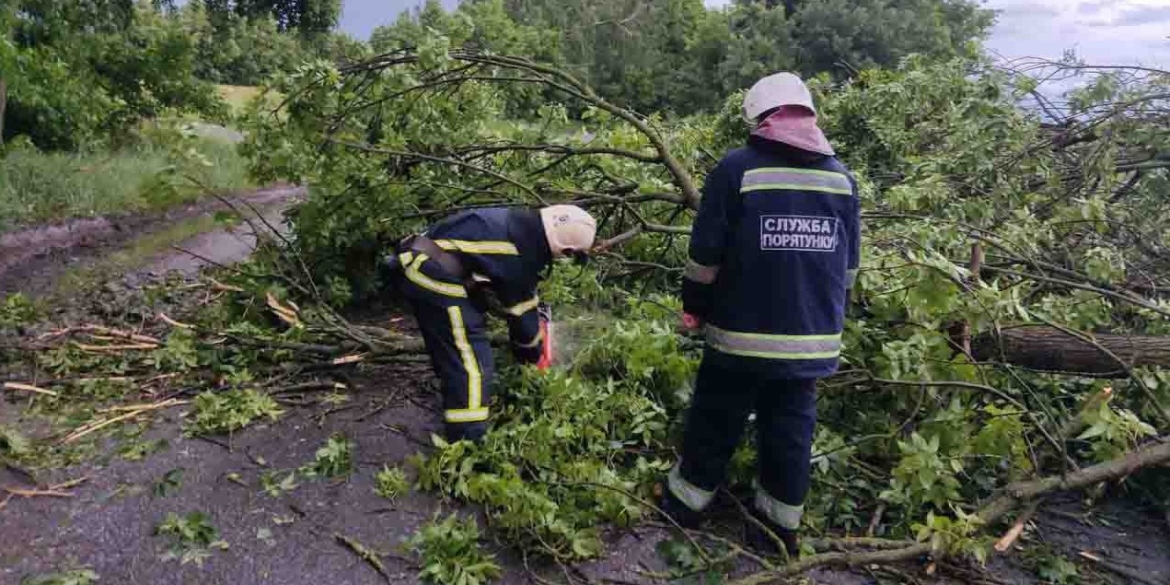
<point x="3" y="104"/>
<point x="1049" y="349"/>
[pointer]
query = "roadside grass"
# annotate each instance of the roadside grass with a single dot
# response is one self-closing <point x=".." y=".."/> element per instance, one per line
<point x="237" y="96"/>
<point x="37" y="187"/>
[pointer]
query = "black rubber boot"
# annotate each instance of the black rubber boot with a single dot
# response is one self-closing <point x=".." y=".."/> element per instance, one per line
<point x="684" y="516"/>
<point x="473" y="432"/>
<point x="762" y="542"/>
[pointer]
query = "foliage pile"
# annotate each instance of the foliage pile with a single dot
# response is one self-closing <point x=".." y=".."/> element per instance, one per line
<point x="452" y="554"/>
<point x="555" y="468"/>
<point x="235" y="362"/>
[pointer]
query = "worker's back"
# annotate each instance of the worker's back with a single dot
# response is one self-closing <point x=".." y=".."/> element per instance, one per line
<point x="782" y="283"/>
<point x="504" y="245"/>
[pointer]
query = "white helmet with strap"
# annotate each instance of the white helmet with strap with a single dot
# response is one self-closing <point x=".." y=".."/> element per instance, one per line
<point x="773" y="91"/>
<point x="568" y="229"/>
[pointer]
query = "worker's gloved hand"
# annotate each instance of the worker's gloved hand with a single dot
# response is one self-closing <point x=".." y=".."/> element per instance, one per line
<point x="527" y="355"/>
<point x="691" y="322"/>
<point x="387" y="270"/>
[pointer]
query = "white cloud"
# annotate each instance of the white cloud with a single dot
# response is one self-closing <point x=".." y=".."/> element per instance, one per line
<point x="1117" y="32"/>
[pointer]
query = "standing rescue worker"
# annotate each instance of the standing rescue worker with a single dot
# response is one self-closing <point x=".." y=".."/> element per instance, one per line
<point x="443" y="271"/>
<point x="773" y="253"/>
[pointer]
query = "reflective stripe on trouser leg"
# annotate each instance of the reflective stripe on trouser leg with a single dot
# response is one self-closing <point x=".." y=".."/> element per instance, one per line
<point x="785" y="515"/>
<point x="695" y="497"/>
<point x="475" y="411"/>
<point x="458" y="347"/>
<point x="785" y="423"/>
<point x="414" y="273"/>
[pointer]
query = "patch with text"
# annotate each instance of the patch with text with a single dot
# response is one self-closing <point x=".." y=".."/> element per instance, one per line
<point x="798" y="233"/>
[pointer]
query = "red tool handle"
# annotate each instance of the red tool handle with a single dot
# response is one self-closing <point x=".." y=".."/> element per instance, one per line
<point x="546" y="342"/>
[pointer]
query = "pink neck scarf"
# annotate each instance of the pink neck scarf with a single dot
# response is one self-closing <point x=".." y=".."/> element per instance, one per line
<point x="796" y="127"/>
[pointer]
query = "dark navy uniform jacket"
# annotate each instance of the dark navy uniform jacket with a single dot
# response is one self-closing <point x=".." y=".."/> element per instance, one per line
<point x="773" y="252"/>
<point x="507" y="248"/>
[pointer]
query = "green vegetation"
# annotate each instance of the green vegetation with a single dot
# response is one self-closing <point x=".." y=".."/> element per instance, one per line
<point x="276" y="488"/>
<point x="170" y="483"/>
<point x="43" y="186"/>
<point x="333" y="459"/>
<point x="71" y="577"/>
<point x="81" y="72"/>
<point x="922" y="423"/>
<point x="451" y="554"/>
<point x="17" y="310"/>
<point x="677" y="56"/>
<point x="237" y="96"/>
<point x="192" y="537"/>
<point x="391" y="482"/>
<point x="224" y="412"/>
<point x="550" y="481"/>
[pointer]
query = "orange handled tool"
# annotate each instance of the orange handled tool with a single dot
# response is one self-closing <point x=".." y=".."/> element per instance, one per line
<point x="546" y="354"/>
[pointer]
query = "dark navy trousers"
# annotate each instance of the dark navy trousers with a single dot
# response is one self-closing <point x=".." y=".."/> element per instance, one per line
<point x="785" y="420"/>
<point x="454" y="330"/>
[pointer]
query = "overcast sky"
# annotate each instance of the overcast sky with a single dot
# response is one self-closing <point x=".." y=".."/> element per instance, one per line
<point x="1114" y="32"/>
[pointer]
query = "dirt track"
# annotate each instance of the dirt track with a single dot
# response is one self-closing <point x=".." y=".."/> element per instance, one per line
<point x="290" y="538"/>
<point x="33" y="260"/>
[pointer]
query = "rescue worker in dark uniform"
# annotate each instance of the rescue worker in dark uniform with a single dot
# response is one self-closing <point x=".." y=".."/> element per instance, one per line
<point x="443" y="273"/>
<point x="773" y="253"/>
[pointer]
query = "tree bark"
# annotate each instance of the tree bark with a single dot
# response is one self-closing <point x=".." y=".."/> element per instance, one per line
<point x="1048" y="349"/>
<point x="3" y="105"/>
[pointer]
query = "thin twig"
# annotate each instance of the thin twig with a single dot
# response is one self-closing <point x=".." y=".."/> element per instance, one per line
<point x="28" y="388"/>
<point x="90" y="428"/>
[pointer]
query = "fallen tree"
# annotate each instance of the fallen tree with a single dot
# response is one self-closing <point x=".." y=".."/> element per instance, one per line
<point x="1049" y="349"/>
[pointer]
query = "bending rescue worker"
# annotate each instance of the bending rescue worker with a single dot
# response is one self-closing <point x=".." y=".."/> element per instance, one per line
<point x="773" y="253"/>
<point x="442" y="273"/>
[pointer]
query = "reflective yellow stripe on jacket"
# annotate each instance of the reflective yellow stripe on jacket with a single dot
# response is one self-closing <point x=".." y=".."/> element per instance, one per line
<point x="521" y="308"/>
<point x="766" y="178"/>
<point x="778" y="347"/>
<point x="480" y="247"/>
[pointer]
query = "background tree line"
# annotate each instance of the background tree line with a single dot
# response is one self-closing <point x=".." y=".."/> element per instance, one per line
<point x="79" y="70"/>
<point x="677" y="55"/>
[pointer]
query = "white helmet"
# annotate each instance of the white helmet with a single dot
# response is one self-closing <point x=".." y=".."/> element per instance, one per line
<point x="568" y="228"/>
<point x="773" y="91"/>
